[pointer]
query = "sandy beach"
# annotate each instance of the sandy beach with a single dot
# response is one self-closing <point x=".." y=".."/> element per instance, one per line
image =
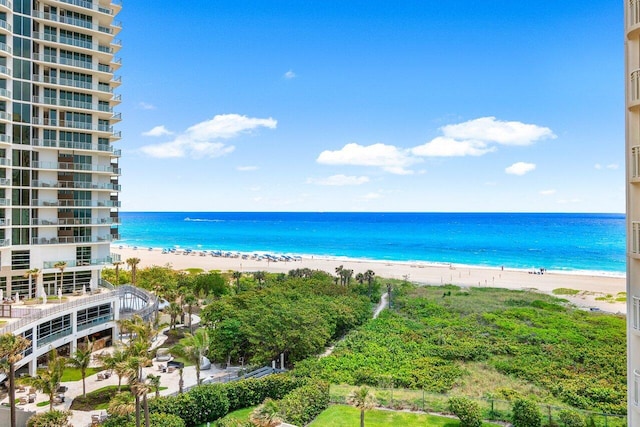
<point x="591" y="286"/>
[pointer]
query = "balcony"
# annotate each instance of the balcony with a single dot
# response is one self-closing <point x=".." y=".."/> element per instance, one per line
<point x="635" y="314"/>
<point x="76" y="203"/>
<point x="88" y="5"/>
<point x="73" y="104"/>
<point x="70" y="240"/>
<point x="99" y="87"/>
<point x="5" y="182"/>
<point x="5" y="242"/>
<point x="5" y="202"/>
<point x="5" y="48"/>
<point x="78" y="22"/>
<point x="634" y="88"/>
<point x="635" y="237"/>
<point x="5" y="139"/>
<point x="73" y="125"/>
<point x="76" y="166"/>
<point x="5" y="93"/>
<point x="52" y="143"/>
<point x="4" y="25"/>
<point x="76" y="263"/>
<point x="74" y="221"/>
<point x="76" y="185"/>
<point x="5" y="70"/>
<point x="5" y="162"/>
<point x="634" y="13"/>
<point x="5" y="222"/>
<point x="6" y="4"/>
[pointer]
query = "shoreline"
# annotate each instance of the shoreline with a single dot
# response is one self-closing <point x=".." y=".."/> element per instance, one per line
<point x="590" y="284"/>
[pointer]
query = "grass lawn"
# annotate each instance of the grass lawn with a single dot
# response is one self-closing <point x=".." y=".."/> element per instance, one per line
<point x="99" y="399"/>
<point x="348" y="416"/>
<point x="73" y="374"/>
<point x="239" y="415"/>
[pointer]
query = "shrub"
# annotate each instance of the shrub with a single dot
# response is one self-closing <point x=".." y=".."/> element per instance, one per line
<point x="252" y="392"/>
<point x="571" y="418"/>
<point x="526" y="414"/>
<point x="303" y="404"/>
<point x="50" y="419"/>
<point x="212" y="401"/>
<point x="466" y="410"/>
<point x="182" y="405"/>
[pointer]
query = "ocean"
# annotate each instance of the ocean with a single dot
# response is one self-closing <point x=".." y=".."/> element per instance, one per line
<point x="559" y="242"/>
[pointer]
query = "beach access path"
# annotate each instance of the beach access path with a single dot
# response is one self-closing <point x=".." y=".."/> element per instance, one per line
<point x="591" y="286"/>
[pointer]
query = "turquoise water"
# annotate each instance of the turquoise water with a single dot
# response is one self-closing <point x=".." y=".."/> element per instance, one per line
<point x="566" y="242"/>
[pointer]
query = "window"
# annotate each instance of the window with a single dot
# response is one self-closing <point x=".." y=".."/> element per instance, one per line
<point x="20" y="260"/>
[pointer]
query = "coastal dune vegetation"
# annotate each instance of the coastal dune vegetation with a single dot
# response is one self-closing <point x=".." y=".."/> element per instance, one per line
<point x="475" y="342"/>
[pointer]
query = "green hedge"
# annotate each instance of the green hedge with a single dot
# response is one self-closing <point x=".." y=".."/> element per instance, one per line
<point x="252" y="392"/>
<point x="303" y="404"/>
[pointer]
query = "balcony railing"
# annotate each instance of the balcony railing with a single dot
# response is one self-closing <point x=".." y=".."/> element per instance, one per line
<point x="76" y="166"/>
<point x="77" y="22"/>
<point x="635" y="237"/>
<point x="634" y="12"/>
<point x="72" y="104"/>
<point x="70" y="239"/>
<point x="5" y="162"/>
<point x="6" y="3"/>
<point x="5" y="25"/>
<point x="5" y="242"/>
<point x="5" y="202"/>
<point x="5" y="182"/>
<point x="635" y="315"/>
<point x="52" y="143"/>
<point x="102" y="87"/>
<point x="75" y="221"/>
<point x="5" y="93"/>
<point x="88" y="5"/>
<point x="5" y="70"/>
<point x="51" y="338"/>
<point x="77" y="203"/>
<point x="76" y="184"/>
<point x="94" y="322"/>
<point x="634" y="86"/>
<point x="75" y="263"/>
<point x="70" y="124"/>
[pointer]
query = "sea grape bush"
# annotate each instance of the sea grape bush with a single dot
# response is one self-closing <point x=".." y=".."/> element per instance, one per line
<point x="466" y="410"/>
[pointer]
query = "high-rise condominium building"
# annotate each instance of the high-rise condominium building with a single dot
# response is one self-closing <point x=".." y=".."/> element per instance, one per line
<point x="58" y="164"/>
<point x="632" y="150"/>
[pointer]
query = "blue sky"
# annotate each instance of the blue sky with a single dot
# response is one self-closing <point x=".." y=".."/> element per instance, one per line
<point x="341" y="105"/>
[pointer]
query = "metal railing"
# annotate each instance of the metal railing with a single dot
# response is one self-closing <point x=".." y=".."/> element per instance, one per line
<point x="120" y="291"/>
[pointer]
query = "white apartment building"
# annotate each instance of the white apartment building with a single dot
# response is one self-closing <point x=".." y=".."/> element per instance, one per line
<point x="58" y="164"/>
<point x="632" y="150"/>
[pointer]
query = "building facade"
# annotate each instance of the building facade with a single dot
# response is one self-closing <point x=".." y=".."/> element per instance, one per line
<point x="632" y="150"/>
<point x="58" y="163"/>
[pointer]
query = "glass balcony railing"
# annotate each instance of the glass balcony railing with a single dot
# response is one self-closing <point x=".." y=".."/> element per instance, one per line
<point x="76" y="185"/>
<point x="101" y="87"/>
<point x="94" y="322"/>
<point x="76" y="166"/>
<point x="70" y="240"/>
<point x="88" y="5"/>
<point x="80" y="263"/>
<point x="52" y="143"/>
<point x="6" y="3"/>
<point x="70" y="124"/>
<point x="635" y="393"/>
<point x="5" y="25"/>
<point x="73" y="104"/>
<point x="51" y="338"/>
<point x="635" y="237"/>
<point x="75" y="221"/>
<point x="77" y="203"/>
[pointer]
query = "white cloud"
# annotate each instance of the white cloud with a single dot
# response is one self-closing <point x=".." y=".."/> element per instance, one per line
<point x="146" y="106"/>
<point x="388" y="157"/>
<point x="225" y="126"/>
<point x="547" y="192"/>
<point x="449" y="147"/>
<point x="339" y="180"/>
<point x="597" y="166"/>
<point x="289" y="75"/>
<point x="199" y="140"/>
<point x="502" y="132"/>
<point x="246" y="168"/>
<point x="520" y="168"/>
<point x="158" y="131"/>
<point x="612" y="166"/>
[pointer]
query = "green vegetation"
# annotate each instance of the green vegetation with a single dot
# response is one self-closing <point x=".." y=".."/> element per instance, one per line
<point x="241" y="415"/>
<point x="276" y="314"/>
<point x="565" y="291"/>
<point x="96" y="400"/>
<point x="432" y="339"/>
<point x="75" y="374"/>
<point x="347" y="416"/>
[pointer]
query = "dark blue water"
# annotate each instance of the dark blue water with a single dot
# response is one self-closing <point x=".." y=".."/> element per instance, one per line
<point x="592" y="242"/>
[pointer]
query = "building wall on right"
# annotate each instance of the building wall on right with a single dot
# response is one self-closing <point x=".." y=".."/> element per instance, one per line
<point x="632" y="151"/>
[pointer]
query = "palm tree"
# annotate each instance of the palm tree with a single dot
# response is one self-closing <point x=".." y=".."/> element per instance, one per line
<point x="133" y="264"/>
<point x="363" y="399"/>
<point x="369" y="276"/>
<point x="121" y="404"/>
<point x="113" y="362"/>
<point x="360" y="278"/>
<point x="154" y="382"/>
<point x="60" y="265"/>
<point x="81" y="360"/>
<point x="117" y="264"/>
<point x="174" y="310"/>
<point x="48" y="381"/>
<point x="34" y="272"/>
<point x="266" y="415"/>
<point x="260" y="276"/>
<point x="134" y="367"/>
<point x="194" y="347"/>
<point x="237" y="275"/>
<point x="190" y="300"/>
<point x="345" y="276"/>
<point x="339" y="270"/>
<point x="11" y="349"/>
